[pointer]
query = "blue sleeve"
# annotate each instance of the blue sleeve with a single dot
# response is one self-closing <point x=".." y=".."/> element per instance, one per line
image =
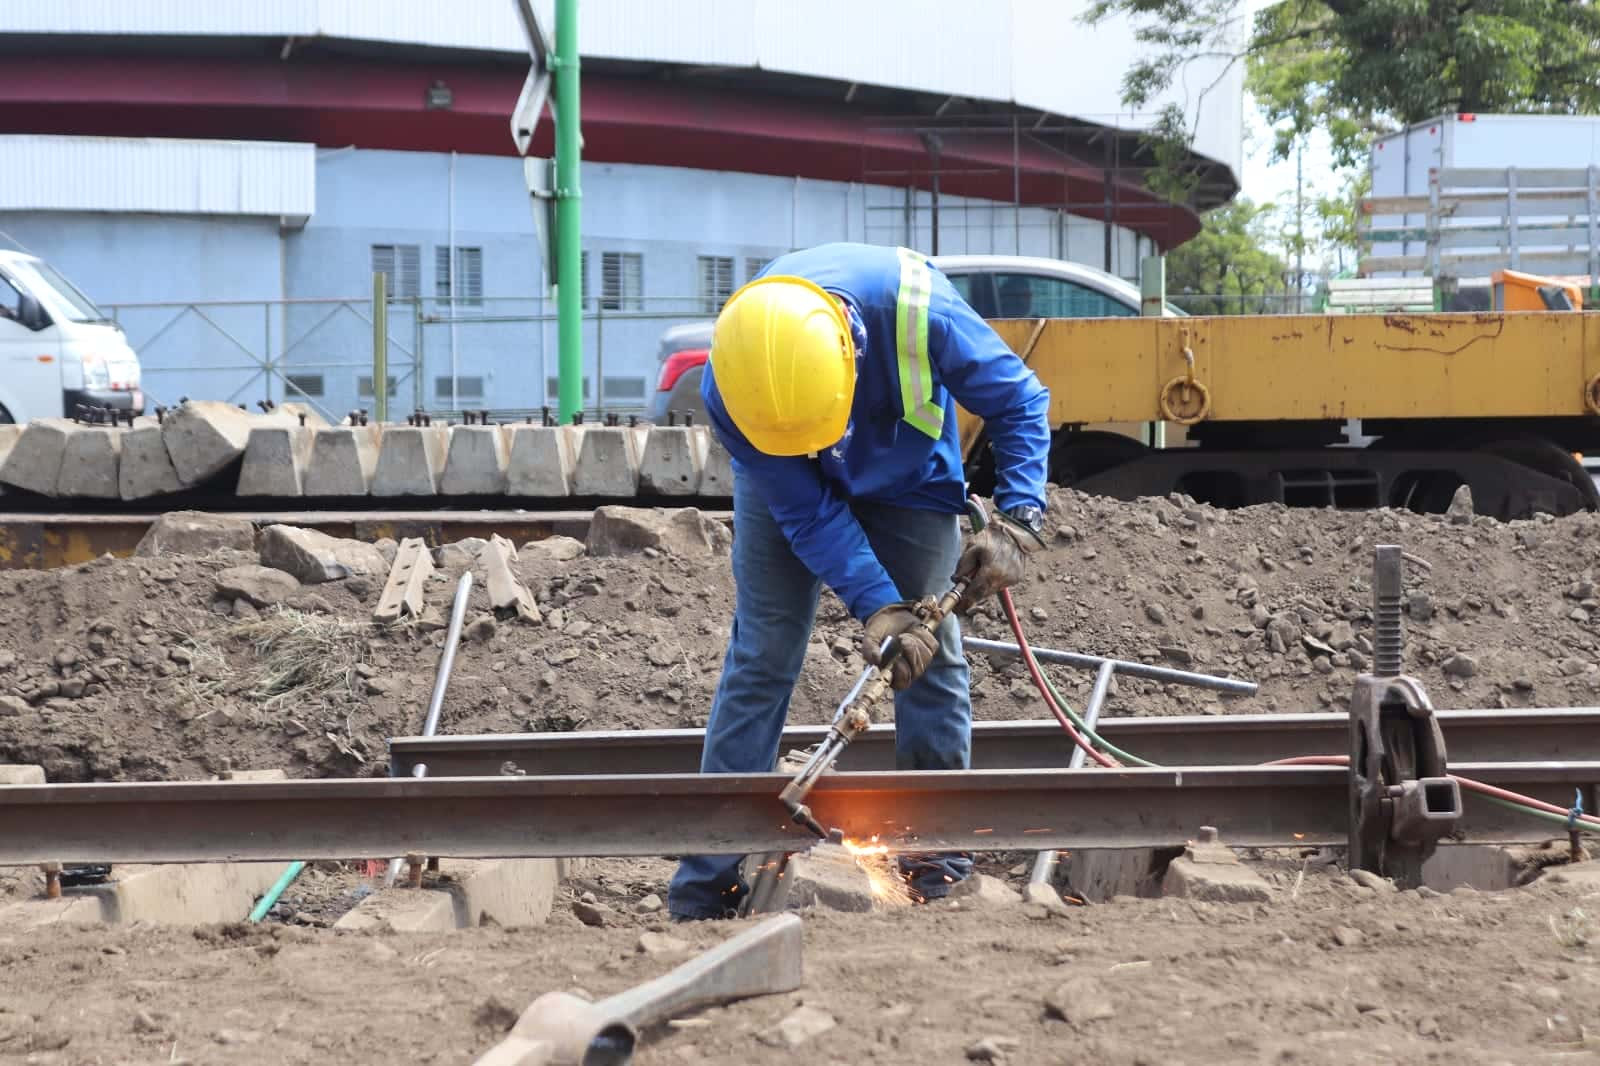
<point x="989" y="380"/>
<point x="816" y="520"/>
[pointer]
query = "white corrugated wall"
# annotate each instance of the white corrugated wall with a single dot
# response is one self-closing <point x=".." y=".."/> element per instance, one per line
<point x="126" y="174"/>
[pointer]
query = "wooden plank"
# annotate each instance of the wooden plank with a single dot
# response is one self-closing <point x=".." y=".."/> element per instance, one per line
<point x="404" y="592"/>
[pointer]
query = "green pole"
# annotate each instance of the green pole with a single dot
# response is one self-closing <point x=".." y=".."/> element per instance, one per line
<point x="380" y="347"/>
<point x="569" y="215"/>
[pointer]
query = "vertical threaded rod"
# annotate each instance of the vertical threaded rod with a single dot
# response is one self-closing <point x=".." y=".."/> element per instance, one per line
<point x="1389" y="640"/>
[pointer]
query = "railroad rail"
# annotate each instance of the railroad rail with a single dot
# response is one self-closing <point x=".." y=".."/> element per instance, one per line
<point x="670" y="814"/>
<point x="1544" y="735"/>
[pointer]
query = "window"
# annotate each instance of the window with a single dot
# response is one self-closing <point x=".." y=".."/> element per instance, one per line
<point x="308" y="385"/>
<point x="467" y="388"/>
<point x="364" y="386"/>
<point x="402" y="264"/>
<point x="552" y="389"/>
<point x="716" y="282"/>
<point x="624" y="388"/>
<point x="10" y="300"/>
<point x="1036" y="296"/>
<point x="468" y="275"/>
<point x="621" y="281"/>
<point x="753" y="265"/>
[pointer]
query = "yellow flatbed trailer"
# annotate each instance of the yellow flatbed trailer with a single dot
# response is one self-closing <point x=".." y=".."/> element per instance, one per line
<point x="1257" y="409"/>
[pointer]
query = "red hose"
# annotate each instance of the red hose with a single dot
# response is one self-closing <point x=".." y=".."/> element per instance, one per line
<point x="1034" y="671"/>
<point x="1465" y="782"/>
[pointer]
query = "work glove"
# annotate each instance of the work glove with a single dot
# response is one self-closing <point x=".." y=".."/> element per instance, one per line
<point x="917" y="644"/>
<point x="992" y="559"/>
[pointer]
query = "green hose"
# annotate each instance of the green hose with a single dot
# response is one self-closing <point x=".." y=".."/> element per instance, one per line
<point x="1089" y="734"/>
<point x="270" y="900"/>
<point x="1534" y="812"/>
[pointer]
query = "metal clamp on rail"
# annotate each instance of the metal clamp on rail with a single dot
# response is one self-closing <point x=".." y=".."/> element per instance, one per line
<point x="1402" y="800"/>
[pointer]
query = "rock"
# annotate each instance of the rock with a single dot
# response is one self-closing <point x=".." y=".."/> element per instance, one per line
<point x="651" y="904"/>
<point x="992" y="1049"/>
<point x="1156" y="613"/>
<point x="829" y="876"/>
<point x="985" y="891"/>
<point x="314" y="557"/>
<point x="1260" y="616"/>
<point x="480" y="629"/>
<point x="1315" y="646"/>
<point x="1080" y="1001"/>
<point x="260" y="586"/>
<point x="1547" y="996"/>
<point x="1041" y="895"/>
<point x="1347" y="937"/>
<point x="195" y="533"/>
<point x="236" y="1036"/>
<point x="684" y="532"/>
<point x="801" y="1025"/>
<point x="1419" y="605"/>
<point x="1177" y="654"/>
<point x="459" y="554"/>
<point x="660" y="945"/>
<point x="12" y="706"/>
<point x="1368" y="879"/>
<point x="591" y="914"/>
<point x="1342" y="637"/>
<point x="1460" y="510"/>
<point x="1038" y="614"/>
<point x="663" y="654"/>
<point x="1460" y="665"/>
<point x="147" y="1022"/>
<point x="557" y="549"/>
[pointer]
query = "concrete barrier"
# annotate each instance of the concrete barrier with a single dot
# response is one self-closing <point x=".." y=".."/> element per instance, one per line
<point x="192" y="894"/>
<point x="541" y="461"/>
<point x="89" y="463"/>
<point x="608" y="460"/>
<point x="275" y="460"/>
<point x="8" y="440"/>
<point x="673" y="461"/>
<point x="718" y="477"/>
<point x="343" y="461"/>
<point x="411" y="460"/>
<point x="477" y="461"/>
<point x="510" y="892"/>
<point x="204" y="437"/>
<point x="34" y="462"/>
<point x="146" y="468"/>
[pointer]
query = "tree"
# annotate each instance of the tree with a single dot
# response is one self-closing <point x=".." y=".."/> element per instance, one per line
<point x="1227" y="268"/>
<point x="1354" y="67"/>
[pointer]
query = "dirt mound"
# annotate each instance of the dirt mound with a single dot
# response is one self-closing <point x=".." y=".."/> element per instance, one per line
<point x="132" y="669"/>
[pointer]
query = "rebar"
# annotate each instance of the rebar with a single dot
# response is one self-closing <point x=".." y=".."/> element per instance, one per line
<point x="1231" y="685"/>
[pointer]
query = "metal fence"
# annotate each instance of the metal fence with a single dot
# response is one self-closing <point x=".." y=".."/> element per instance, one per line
<point x="442" y="355"/>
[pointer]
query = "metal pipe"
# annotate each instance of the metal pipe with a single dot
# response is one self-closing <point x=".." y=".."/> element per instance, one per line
<point x="1044" y="863"/>
<point x="569" y="213"/>
<point x="441" y="682"/>
<point x="1230" y="685"/>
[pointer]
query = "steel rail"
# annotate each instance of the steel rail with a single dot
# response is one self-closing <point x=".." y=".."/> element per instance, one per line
<point x="1191" y="740"/>
<point x="713" y="813"/>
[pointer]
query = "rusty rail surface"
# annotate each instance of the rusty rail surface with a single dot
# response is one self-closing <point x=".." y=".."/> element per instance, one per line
<point x="672" y="814"/>
<point x="1542" y="735"/>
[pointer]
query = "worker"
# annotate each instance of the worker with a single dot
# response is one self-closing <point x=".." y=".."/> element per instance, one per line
<point x="832" y="381"/>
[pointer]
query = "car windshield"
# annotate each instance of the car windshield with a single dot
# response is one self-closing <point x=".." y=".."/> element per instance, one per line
<point x="60" y="294"/>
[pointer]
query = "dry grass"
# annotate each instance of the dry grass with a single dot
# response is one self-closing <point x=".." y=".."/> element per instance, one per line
<point x="301" y="655"/>
<point x="1575" y="929"/>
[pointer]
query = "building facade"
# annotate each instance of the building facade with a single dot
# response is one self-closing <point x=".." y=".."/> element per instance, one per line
<point x="226" y="178"/>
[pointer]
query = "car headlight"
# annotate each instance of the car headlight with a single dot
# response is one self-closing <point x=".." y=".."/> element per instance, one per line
<point x="96" y="372"/>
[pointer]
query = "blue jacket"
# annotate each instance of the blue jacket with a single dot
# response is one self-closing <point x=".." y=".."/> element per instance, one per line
<point x="882" y="458"/>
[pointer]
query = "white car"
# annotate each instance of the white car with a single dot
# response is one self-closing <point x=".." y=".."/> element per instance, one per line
<point x="59" y="352"/>
<point x="997" y="286"/>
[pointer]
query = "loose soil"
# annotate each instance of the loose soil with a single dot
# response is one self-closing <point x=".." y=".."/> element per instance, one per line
<point x="137" y="669"/>
<point x="1326" y="972"/>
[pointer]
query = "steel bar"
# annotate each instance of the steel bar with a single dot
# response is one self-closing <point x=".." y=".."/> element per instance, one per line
<point x="1231" y="685"/>
<point x="1044" y="863"/>
<point x="441" y="682"/>
<point x="676" y="814"/>
<point x="1188" y="740"/>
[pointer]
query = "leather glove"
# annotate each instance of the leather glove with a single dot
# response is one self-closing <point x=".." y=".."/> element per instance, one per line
<point x="992" y="559"/>
<point x="917" y="644"/>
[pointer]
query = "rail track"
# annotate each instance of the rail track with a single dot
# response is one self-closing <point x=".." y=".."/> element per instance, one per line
<point x="473" y="805"/>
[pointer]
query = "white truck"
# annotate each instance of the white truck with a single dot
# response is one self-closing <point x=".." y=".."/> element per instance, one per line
<point x="58" y="351"/>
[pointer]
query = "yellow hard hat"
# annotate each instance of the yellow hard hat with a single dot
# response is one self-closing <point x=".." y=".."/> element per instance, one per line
<point x="785" y="365"/>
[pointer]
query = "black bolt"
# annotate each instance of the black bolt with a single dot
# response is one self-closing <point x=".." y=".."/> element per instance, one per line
<point x="633" y="421"/>
<point x="688" y="418"/>
<point x="672" y="418"/>
<point x="577" y="418"/>
<point x="302" y="418"/>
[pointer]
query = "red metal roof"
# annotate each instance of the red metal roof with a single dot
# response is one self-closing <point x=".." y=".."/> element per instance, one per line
<point x="625" y="120"/>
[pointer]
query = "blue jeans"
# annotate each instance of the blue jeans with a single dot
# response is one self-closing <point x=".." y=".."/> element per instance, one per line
<point x="776" y="601"/>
